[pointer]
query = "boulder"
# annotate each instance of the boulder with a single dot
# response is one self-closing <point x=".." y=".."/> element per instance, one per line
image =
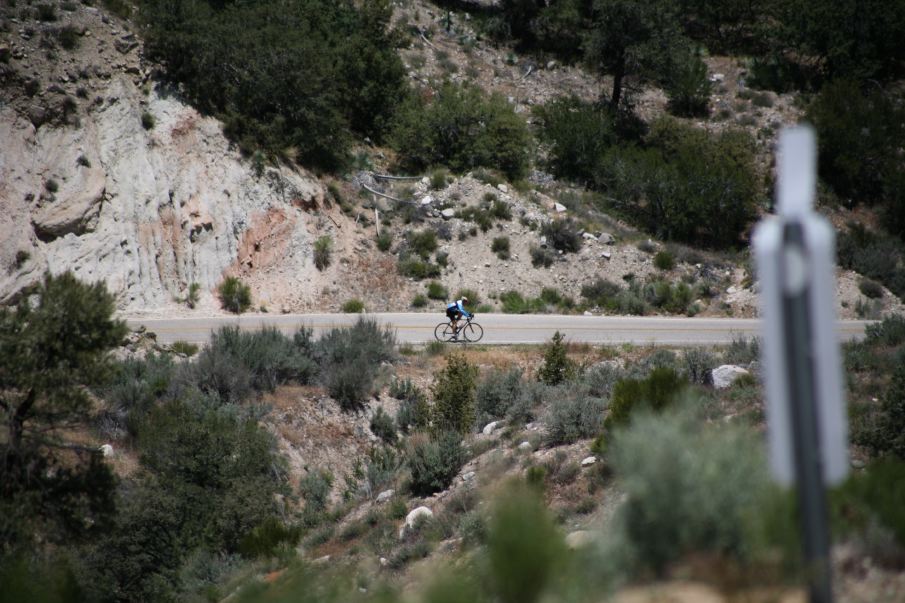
<point x="502" y="188"/>
<point x="75" y="209"/>
<point x="606" y="255"/>
<point x="467" y="477"/>
<point x="725" y="375"/>
<point x="524" y="446"/>
<point x="559" y="208"/>
<point x="606" y="238"/>
<point x="107" y="450"/>
<point x="448" y="213"/>
<point x="412" y="518"/>
<point x="589" y="237"/>
<point x="384" y="496"/>
<point x="490" y="427"/>
<point x="426" y="200"/>
<point x="588" y="461"/>
<point x="579" y="539"/>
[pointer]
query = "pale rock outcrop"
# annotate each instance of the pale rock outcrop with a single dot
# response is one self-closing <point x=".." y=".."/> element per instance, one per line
<point x="146" y="211"/>
<point x="724" y="376"/>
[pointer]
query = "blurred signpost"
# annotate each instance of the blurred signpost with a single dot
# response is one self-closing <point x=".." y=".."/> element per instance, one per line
<point x="807" y="428"/>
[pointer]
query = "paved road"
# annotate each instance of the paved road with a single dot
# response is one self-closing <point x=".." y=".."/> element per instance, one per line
<point x="498" y="328"/>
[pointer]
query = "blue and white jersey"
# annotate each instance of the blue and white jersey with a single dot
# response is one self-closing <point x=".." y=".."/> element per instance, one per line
<point x="458" y="306"/>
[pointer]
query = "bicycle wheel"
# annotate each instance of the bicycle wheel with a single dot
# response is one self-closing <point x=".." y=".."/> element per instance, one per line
<point x="472" y="332"/>
<point x="443" y="332"/>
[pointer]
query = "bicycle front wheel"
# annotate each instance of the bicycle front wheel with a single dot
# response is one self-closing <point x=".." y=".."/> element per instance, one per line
<point x="472" y="332"/>
<point x="444" y="332"/>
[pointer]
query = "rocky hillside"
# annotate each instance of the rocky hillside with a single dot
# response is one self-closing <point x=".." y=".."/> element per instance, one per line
<point x="105" y="171"/>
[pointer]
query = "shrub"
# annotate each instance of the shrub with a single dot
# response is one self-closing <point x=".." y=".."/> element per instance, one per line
<point x="691" y="488"/>
<point x="453" y="391"/>
<point x="742" y="350"/>
<point x="498" y="208"/>
<point x="434" y="462"/>
<point x="349" y="359"/>
<point x="267" y="537"/>
<point x="423" y="243"/>
<point x="69" y="37"/>
<point x="655" y="392"/>
<point x="47" y="12"/>
<point x="315" y="490"/>
<point x="462" y="128"/>
<point x="890" y="331"/>
<point x="875" y="493"/>
<point x="577" y="133"/>
<point x="870" y="288"/>
<point x="436" y="290"/>
<point x="601" y="292"/>
<point x="664" y="261"/>
<point x="557" y="367"/>
<point x="541" y="258"/>
<point x="419" y="301"/>
<point x="52" y="186"/>
<point x="514" y="303"/>
<point x="574" y="417"/>
<point x="235" y="296"/>
<point x="563" y="235"/>
<point x="323" y="247"/>
<point x="438" y="179"/>
<point x="889" y="434"/>
<point x="383" y="426"/>
<point x="495" y="393"/>
<point x="184" y="348"/>
<point x="473" y="298"/>
<point x="147" y="121"/>
<point x="601" y="378"/>
<point x="698" y="364"/>
<point x="353" y="306"/>
<point x="384" y="241"/>
<point x="414" y="412"/>
<point x="415" y="268"/>
<point x="500" y="246"/>
<point x="688" y="87"/>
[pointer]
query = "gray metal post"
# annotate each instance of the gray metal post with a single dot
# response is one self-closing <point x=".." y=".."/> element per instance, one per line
<point x="812" y="506"/>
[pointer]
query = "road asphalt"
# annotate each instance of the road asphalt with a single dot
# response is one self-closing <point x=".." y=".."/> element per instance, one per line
<point x="499" y="329"/>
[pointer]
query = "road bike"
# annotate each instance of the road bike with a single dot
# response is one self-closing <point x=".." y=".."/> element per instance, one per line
<point x="469" y="331"/>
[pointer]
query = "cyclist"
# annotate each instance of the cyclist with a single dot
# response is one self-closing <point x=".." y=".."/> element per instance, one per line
<point x="456" y="310"/>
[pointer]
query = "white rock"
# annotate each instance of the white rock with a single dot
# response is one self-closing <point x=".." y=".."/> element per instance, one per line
<point x="448" y="213"/>
<point x="426" y="200"/>
<point x="107" y="450"/>
<point x="588" y="461"/>
<point x="579" y="539"/>
<point x="559" y="207"/>
<point x="588" y="313"/>
<point x="589" y="237"/>
<point x="468" y="476"/>
<point x="717" y="77"/>
<point x="606" y="238"/>
<point x="606" y="255"/>
<point x="425" y="181"/>
<point x="502" y="188"/>
<point x="413" y="516"/>
<point x="384" y="562"/>
<point x="524" y="446"/>
<point x="551" y="64"/>
<point x="490" y="427"/>
<point x="384" y="496"/>
<point x="731" y="290"/>
<point x="725" y="375"/>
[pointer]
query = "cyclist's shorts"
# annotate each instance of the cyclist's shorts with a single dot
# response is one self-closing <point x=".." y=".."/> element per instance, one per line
<point x="453" y="313"/>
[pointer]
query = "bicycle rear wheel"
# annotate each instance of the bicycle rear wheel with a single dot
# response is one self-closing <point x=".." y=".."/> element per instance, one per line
<point x="472" y="332"/>
<point x="444" y="332"/>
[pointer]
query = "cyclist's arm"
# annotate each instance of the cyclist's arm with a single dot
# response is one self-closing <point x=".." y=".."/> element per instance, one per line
<point x="464" y="312"/>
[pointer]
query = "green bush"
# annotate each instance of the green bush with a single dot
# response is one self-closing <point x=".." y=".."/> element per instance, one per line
<point x="52" y="186"/>
<point x="514" y="303"/>
<point x="349" y="358"/>
<point x="267" y="537"/>
<point x="601" y="378"/>
<point x="147" y="121"/>
<point x="474" y="300"/>
<point x="383" y="426"/>
<point x="698" y="364"/>
<point x="323" y="248"/>
<point x="312" y="73"/>
<point x="462" y="128"/>
<point x="877" y="493"/>
<point x="870" y="288"/>
<point x="353" y="306"/>
<point x="577" y="134"/>
<point x="889" y="434"/>
<point x="185" y="348"/>
<point x="656" y="392"/>
<point x="495" y="393"/>
<point x="500" y="246"/>
<point x="601" y="292"/>
<point x="349" y="384"/>
<point x="556" y="367"/>
<point x="541" y="258"/>
<point x="479" y="215"/>
<point x="384" y="241"/>
<point x="688" y="87"/>
<point x="692" y="489"/>
<point x="417" y="269"/>
<point x="664" y="261"/>
<point x="890" y="331"/>
<point x="423" y="243"/>
<point x="136" y="385"/>
<point x="419" y="301"/>
<point x="497" y="208"/>
<point x="742" y="350"/>
<point x="235" y="296"/>
<point x="453" y="392"/>
<point x="315" y="490"/>
<point x="434" y="462"/>
<point x="572" y="417"/>
<point x="563" y="235"/>
<point x="436" y="290"/>
<point x="69" y="37"/>
<point x="47" y="12"/>
<point x="414" y="412"/>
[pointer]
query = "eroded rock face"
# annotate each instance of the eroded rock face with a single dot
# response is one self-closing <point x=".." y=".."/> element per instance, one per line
<point x="146" y="211"/>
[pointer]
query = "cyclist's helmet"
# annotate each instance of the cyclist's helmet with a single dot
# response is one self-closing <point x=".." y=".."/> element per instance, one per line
<point x="464" y="299"/>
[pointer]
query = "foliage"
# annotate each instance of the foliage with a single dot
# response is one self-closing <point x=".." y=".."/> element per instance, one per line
<point x="323" y="247"/>
<point x="688" y="86"/>
<point x="577" y="134"/>
<point x="664" y="260"/>
<point x="419" y="301"/>
<point x="384" y="241"/>
<point x="889" y="434"/>
<point x="265" y="538"/>
<point x="870" y="288"/>
<point x="692" y="489"/>
<point x="306" y="80"/>
<point x="601" y="378"/>
<point x="541" y="258"/>
<point x="383" y="426"/>
<point x="685" y="184"/>
<point x="557" y="367"/>
<point x="436" y="290"/>
<point x="434" y="461"/>
<point x="656" y="392"/>
<point x="453" y="392"/>
<point x="495" y="393"/>
<point x="315" y="490"/>
<point x="874" y="255"/>
<point x="423" y="243"/>
<point x="890" y="331"/>
<point x="572" y="417"/>
<point x="876" y="493"/>
<point x="51" y="347"/>
<point x="462" y="128"/>
<point x="698" y="364"/>
<point x="563" y="235"/>
<point x="235" y="296"/>
<point x="147" y="120"/>
<point x="417" y="269"/>
<point x="353" y="306"/>
<point x="349" y="359"/>
<point x="500" y="246"/>
<point x="742" y="350"/>
<point x="133" y="389"/>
